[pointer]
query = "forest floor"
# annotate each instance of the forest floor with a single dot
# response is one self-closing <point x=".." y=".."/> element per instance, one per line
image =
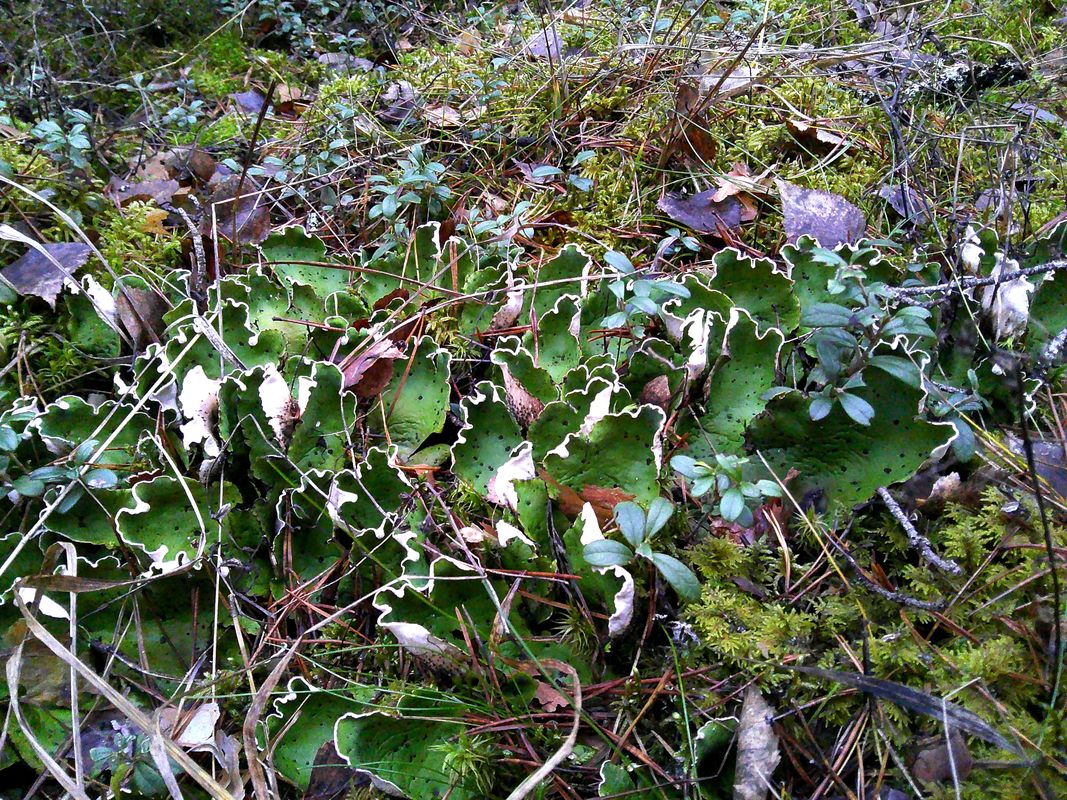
<point x="533" y="401"/>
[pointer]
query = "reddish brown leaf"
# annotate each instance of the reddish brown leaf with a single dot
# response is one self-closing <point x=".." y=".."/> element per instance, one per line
<point x="370" y="372"/>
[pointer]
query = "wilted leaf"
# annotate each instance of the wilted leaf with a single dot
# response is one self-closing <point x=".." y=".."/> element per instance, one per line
<point x="398" y="101"/>
<point x="757" y="748"/>
<point x="126" y="192"/>
<point x="250" y="102"/>
<point x="247" y="215"/>
<point x="42" y="274"/>
<point x="141" y="313"/>
<point x="702" y="212"/>
<point x="943" y="762"/>
<point x="825" y="216"/>
<point x="544" y="43"/>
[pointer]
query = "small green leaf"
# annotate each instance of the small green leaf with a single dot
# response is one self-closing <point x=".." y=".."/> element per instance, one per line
<point x="829" y="315"/>
<point x="619" y="261"/>
<point x="678" y="575"/>
<point x="84" y="451"/>
<point x="685" y="465"/>
<point x="70" y="499"/>
<point x="732" y="504"/>
<point x="659" y="512"/>
<point x="101" y="479"/>
<point x="901" y="368"/>
<point x="49" y="474"/>
<point x="631" y="520"/>
<point x="857" y="408"/>
<point x="607" y="553"/>
<point x="775" y="391"/>
<point x="9" y="440"/>
<point x="545" y="171"/>
<point x="820" y="407"/>
<point x="28" y="487"/>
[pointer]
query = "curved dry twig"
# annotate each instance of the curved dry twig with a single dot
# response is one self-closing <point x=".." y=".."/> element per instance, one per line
<point x="915" y="539"/>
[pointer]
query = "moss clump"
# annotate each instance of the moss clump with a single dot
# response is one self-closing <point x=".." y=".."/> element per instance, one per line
<point x="131" y="241"/>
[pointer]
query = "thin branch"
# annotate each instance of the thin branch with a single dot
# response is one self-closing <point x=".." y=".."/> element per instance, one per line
<point x="970" y="283"/>
<point x="915" y="539"/>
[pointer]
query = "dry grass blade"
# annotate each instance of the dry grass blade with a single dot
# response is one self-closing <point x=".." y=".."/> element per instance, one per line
<point x="954" y="715"/>
<point x="14" y="671"/>
<point x="134" y="714"/>
<point x="534" y="779"/>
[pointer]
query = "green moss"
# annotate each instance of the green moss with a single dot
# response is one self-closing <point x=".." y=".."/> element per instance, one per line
<point x="129" y="244"/>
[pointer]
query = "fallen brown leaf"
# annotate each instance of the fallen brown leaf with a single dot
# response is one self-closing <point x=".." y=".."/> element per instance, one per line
<point x="827" y="217"/>
<point x="702" y="213"/>
<point x="126" y="192"/>
<point x="41" y="274"/>
<point x="942" y="762"/>
<point x="247" y="215"/>
<point x="370" y="372"/>
<point x="757" y="748"/>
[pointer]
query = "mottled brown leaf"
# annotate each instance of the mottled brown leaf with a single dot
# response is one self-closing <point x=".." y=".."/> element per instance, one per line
<point x="825" y="216"/>
<point x="248" y="215"/>
<point x="702" y="212"/>
<point x="757" y="748"/>
<point x="42" y="275"/>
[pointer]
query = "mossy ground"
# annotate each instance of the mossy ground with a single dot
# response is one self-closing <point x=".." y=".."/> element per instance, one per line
<point x="962" y="145"/>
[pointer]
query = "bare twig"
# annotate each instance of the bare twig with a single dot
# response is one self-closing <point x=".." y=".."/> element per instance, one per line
<point x="916" y="539"/>
<point x="970" y="283"/>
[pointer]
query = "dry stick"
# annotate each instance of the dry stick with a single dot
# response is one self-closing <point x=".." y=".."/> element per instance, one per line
<point x="970" y="283"/>
<point x="1039" y="496"/>
<point x="888" y="594"/>
<point x="915" y="539"/>
<point x="248" y="161"/>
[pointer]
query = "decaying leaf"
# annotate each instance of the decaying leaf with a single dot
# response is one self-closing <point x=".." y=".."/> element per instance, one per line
<point x="907" y="201"/>
<point x="247" y="215"/>
<point x="370" y="372"/>
<point x="249" y="102"/>
<point x="691" y="137"/>
<point x="523" y="405"/>
<point x="702" y="212"/>
<point x="126" y="192"/>
<point x="544" y="43"/>
<point x="43" y="269"/>
<point x="442" y="115"/>
<point x="398" y="101"/>
<point x="816" y="136"/>
<point x="825" y="216"/>
<point x="943" y="762"/>
<point x="141" y="313"/>
<point x="757" y="748"/>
